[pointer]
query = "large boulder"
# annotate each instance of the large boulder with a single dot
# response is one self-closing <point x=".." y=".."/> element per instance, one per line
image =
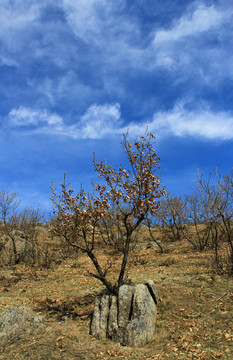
<point x="129" y="318"/>
<point x="18" y="323"/>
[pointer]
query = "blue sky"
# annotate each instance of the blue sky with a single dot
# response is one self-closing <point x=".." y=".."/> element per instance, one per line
<point x="76" y="74"/>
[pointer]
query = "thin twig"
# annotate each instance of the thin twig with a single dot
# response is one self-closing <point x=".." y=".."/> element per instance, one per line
<point x="163" y="345"/>
<point x="226" y="293"/>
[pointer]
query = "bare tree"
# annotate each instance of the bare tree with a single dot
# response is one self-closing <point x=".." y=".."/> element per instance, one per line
<point x="218" y="193"/>
<point x="18" y="225"/>
<point x="8" y="206"/>
<point x="199" y="229"/>
<point x="131" y="193"/>
<point x="172" y="217"/>
<point x="28" y="222"/>
<point x="153" y="224"/>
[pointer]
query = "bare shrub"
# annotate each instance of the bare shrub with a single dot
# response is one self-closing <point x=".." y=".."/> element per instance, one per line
<point x="170" y="218"/>
<point x="29" y="223"/>
<point x="218" y="195"/>
<point x="199" y="225"/>
<point x="152" y="226"/>
<point x="8" y="206"/>
<point x="20" y="233"/>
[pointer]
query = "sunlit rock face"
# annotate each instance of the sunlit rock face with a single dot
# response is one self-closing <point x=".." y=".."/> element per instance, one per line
<point x="128" y="318"/>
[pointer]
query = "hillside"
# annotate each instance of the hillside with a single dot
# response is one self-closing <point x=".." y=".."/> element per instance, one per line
<point x="194" y="313"/>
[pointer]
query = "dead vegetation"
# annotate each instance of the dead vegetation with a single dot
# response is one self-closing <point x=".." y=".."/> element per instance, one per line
<point x="194" y="312"/>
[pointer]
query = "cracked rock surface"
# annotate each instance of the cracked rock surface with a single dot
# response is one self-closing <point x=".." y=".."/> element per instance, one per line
<point x="129" y="318"/>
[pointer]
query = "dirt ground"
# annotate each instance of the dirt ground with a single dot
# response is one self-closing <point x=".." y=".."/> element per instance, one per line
<point x="194" y="318"/>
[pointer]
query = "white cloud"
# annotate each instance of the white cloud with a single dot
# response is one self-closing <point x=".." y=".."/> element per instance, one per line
<point x="195" y="46"/>
<point x="94" y="20"/>
<point x="7" y="60"/>
<point x="100" y="121"/>
<point x="14" y="20"/>
<point x="81" y="16"/>
<point x="18" y="16"/>
<point x="116" y="38"/>
<point x="199" y="123"/>
<point x="19" y="22"/>
<point x="24" y="116"/>
<point x="202" y="19"/>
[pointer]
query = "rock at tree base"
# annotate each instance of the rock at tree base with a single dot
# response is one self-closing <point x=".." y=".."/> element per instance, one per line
<point x="17" y="323"/>
<point x="129" y="318"/>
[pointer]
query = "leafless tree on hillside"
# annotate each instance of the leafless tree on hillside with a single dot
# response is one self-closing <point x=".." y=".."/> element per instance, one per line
<point x="133" y="193"/>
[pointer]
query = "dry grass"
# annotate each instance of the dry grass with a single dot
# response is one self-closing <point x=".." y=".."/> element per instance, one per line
<point x="194" y="313"/>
